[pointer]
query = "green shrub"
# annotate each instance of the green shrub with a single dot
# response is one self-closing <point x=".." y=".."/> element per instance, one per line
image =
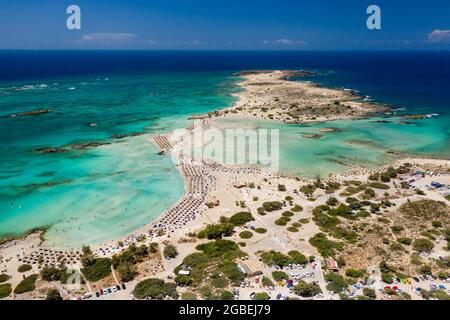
<point x="279" y="275"/>
<point x="127" y="271"/>
<point x="368" y="292"/>
<point x="53" y="294"/>
<point x="50" y="274"/>
<point x="425" y="269"/>
<point x="4" y="277"/>
<point x="196" y="260"/>
<point x="232" y="272"/>
<point x="99" y="269"/>
<point x="188" y="295"/>
<point x="272" y="206"/>
<point x="170" y="251"/>
<point x="297" y="208"/>
<point x="245" y="234"/>
<point x="26" y="285"/>
<point x="305" y="289"/>
<point x="353" y="273"/>
<point x="336" y="282"/>
<point x="397" y="229"/>
<point x="287" y="214"/>
<point x="308" y="189"/>
<point x="436" y="224"/>
<point x="281" y="221"/>
<point x="155" y="289"/>
<point x="266" y="282"/>
<point x="387" y="278"/>
<point x="378" y="185"/>
<point x="272" y="258"/>
<point x="332" y="201"/>
<point x="24" y="268"/>
<point x="5" y="290"/>
<point x="183" y="280"/>
<point x="260" y="230"/>
<point x="261" y="211"/>
<point x="386" y="268"/>
<point x="326" y="247"/>
<point x="226" y="295"/>
<point x="405" y="240"/>
<point x="216" y="231"/>
<point x="292" y="229"/>
<point x="261" y="296"/>
<point x="220" y="248"/>
<point x="240" y="218"/>
<point x="423" y="245"/>
<point x="297" y="257"/>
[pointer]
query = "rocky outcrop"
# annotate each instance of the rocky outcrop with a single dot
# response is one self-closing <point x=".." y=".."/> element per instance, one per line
<point x="30" y="113"/>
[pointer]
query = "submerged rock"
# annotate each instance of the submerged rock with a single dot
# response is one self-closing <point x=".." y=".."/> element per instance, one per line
<point x="48" y="184"/>
<point x="312" y="136"/>
<point x="93" y="144"/>
<point x="415" y="116"/>
<point x="46" y="150"/>
<point x="328" y="130"/>
<point x="31" y="113"/>
<point x="125" y="135"/>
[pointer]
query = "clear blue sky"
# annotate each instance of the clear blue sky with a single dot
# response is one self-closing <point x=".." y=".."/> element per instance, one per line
<point x="220" y="24"/>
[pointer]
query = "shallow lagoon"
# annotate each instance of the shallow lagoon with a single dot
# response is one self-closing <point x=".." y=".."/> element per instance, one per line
<point x="358" y="143"/>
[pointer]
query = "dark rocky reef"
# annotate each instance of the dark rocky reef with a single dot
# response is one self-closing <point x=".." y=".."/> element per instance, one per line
<point x="415" y="116"/>
<point x="126" y="135"/>
<point x="30" y="113"/>
<point x="46" y="150"/>
<point x="312" y="136"/>
<point x="87" y="145"/>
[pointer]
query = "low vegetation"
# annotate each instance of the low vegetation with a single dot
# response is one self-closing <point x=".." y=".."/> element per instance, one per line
<point x="24" y="268"/>
<point x="5" y="290"/>
<point x="246" y="234"/>
<point x="4" y="277"/>
<point x="125" y="262"/>
<point x="326" y="247"/>
<point x="216" y="231"/>
<point x="170" y="251"/>
<point x="305" y="289"/>
<point x="26" y="285"/>
<point x="53" y="294"/>
<point x="272" y="206"/>
<point x="94" y="269"/>
<point x="275" y="258"/>
<point x="240" y="218"/>
<point x="214" y="263"/>
<point x="155" y="289"/>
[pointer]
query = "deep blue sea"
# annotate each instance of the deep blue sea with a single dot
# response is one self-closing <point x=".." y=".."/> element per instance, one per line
<point x="423" y="78"/>
<point x="98" y="194"/>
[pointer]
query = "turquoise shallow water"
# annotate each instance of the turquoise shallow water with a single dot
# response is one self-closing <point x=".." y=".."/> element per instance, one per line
<point x="102" y="193"/>
<point x="359" y="143"/>
<point x="98" y="194"/>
